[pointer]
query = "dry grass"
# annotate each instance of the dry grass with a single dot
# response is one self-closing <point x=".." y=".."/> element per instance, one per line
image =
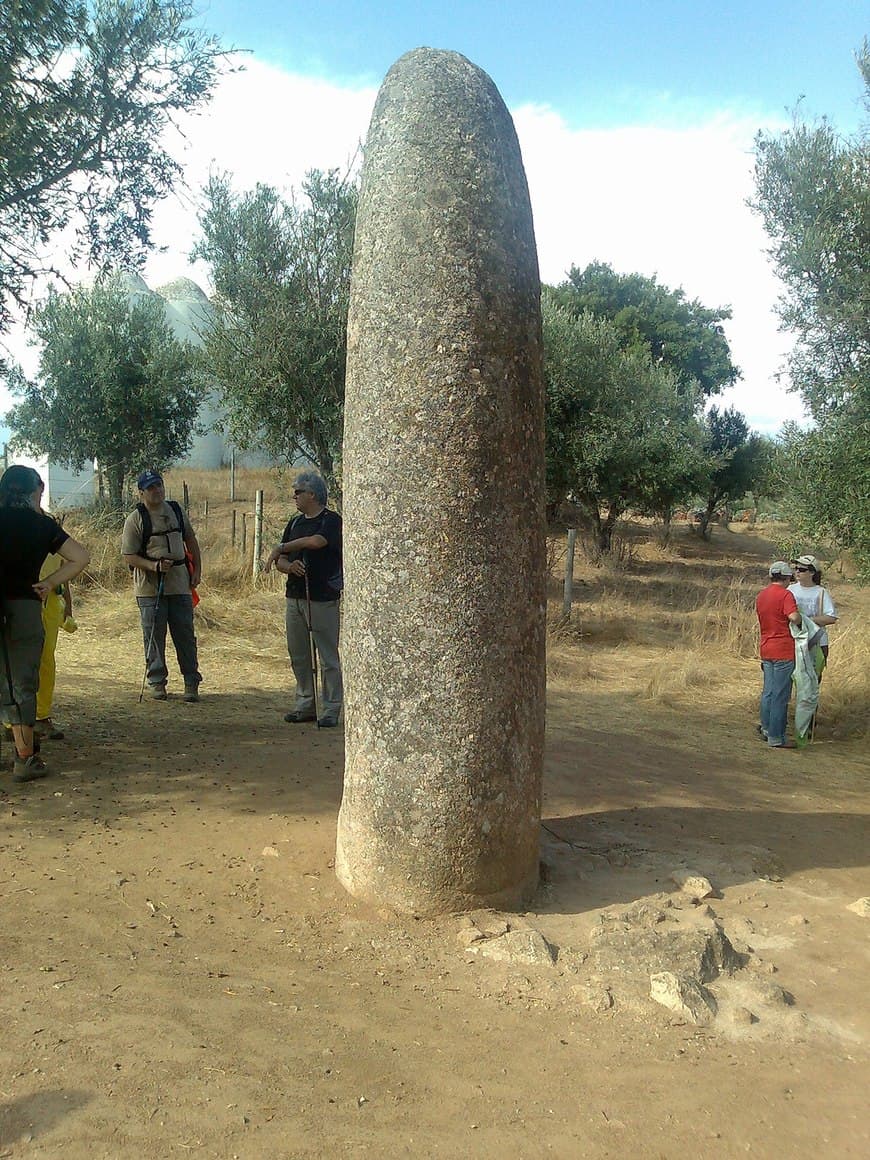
<point x="670" y="623"/>
<point x="688" y="607"/>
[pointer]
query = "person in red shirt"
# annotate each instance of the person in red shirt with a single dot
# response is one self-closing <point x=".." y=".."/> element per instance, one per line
<point x="777" y="609"/>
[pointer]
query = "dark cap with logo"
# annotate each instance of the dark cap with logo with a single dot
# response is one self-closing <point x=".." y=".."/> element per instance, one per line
<point x="148" y="479"/>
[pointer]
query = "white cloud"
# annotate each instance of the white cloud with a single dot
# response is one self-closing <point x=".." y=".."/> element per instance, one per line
<point x="669" y="202"/>
<point x="664" y="201"/>
<point x="262" y="125"/>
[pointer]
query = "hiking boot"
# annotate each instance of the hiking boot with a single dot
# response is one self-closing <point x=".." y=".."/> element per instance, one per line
<point x="191" y="693"/>
<point x="327" y="723"/>
<point x="45" y="727"/>
<point x="295" y="718"/>
<point x="158" y="692"/>
<point x="28" y="768"/>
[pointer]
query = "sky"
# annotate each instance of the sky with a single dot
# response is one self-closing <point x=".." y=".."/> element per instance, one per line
<point x="636" y="122"/>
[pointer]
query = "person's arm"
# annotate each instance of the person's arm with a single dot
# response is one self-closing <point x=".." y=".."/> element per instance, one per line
<point x="76" y="558"/>
<point x="827" y="613"/>
<point x="132" y="538"/>
<point x="193" y="544"/>
<point x="145" y="564"/>
<point x="302" y="544"/>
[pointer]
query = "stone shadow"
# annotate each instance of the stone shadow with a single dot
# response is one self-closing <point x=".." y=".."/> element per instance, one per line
<point x="613" y="857"/>
<point x="33" y="1116"/>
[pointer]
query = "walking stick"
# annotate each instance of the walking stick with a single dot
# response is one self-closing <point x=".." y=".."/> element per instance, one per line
<point x="151" y="638"/>
<point x="312" y="651"/>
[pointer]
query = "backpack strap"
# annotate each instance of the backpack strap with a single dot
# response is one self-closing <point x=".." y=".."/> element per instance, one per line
<point x="148" y="527"/>
<point x="179" y="515"/>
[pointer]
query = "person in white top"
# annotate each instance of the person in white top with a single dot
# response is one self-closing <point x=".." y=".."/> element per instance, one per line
<point x="812" y="599"/>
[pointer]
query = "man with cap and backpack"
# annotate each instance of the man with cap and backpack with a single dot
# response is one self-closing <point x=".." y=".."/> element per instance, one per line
<point x="776" y="609"/>
<point x="159" y="545"/>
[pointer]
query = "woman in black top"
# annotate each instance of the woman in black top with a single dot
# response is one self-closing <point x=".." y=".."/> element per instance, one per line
<point x="27" y="536"/>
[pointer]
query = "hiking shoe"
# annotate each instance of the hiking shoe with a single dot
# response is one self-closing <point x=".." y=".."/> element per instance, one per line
<point x="784" y="745"/>
<point x="295" y="718"/>
<point x="158" y="692"/>
<point x="762" y="733"/>
<point x="327" y="723"/>
<point x="28" y="768"/>
<point x="45" y="728"/>
<point x="191" y="693"/>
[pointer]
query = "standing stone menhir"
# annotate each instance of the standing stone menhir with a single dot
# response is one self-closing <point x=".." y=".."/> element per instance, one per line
<point x="443" y="638"/>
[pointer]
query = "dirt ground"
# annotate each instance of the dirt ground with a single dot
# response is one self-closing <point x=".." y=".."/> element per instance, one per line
<point x="183" y="976"/>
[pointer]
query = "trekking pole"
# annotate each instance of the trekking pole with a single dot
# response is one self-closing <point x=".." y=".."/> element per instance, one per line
<point x="312" y="651"/>
<point x="151" y="638"/>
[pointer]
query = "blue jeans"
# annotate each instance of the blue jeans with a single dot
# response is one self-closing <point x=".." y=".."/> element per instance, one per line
<point x="176" y="612"/>
<point x="775" y="696"/>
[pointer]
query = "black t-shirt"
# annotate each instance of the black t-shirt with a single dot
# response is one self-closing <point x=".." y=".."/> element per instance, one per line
<point x="26" y="538"/>
<point x="322" y="565"/>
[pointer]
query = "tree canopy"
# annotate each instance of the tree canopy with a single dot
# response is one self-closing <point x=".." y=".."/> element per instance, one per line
<point x="813" y="193"/>
<point x="679" y="333"/>
<point x="277" y="347"/>
<point x="87" y="92"/>
<point x="114" y="385"/>
<point x="735" y="461"/>
<point x="621" y="431"/>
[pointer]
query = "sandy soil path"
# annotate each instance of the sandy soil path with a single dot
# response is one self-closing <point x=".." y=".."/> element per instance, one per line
<point x="183" y="976"/>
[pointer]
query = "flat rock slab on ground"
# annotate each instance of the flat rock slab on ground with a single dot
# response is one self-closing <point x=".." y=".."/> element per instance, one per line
<point x="684" y="996"/>
<point x="646" y="939"/>
<point x="524" y="947"/>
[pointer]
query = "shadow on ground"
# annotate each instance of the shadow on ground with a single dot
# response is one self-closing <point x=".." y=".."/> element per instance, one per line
<point x="33" y="1116"/>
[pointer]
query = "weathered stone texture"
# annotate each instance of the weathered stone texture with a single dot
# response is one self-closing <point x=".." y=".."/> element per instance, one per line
<point x="443" y="637"/>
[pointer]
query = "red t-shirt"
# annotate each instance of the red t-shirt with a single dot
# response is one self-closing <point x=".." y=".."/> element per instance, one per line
<point x="773" y="605"/>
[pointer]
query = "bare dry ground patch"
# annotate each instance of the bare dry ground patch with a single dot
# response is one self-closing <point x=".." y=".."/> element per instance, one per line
<point x="182" y="974"/>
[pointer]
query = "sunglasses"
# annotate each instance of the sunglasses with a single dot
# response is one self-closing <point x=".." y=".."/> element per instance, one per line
<point x="300" y="491"/>
<point x="800" y="568"/>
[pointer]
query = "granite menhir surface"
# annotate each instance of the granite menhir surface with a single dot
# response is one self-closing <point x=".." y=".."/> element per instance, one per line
<point x="443" y="466"/>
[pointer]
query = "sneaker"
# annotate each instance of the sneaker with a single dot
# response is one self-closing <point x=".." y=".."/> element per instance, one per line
<point x="784" y="745"/>
<point x="295" y="718"/>
<point x="762" y="733"/>
<point x="327" y="723"/>
<point x="191" y="693"/>
<point x="28" y="768"/>
<point x="158" y="692"/>
<point x="45" y="728"/>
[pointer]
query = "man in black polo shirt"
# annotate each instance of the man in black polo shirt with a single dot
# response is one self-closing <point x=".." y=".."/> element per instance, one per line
<point x="309" y="555"/>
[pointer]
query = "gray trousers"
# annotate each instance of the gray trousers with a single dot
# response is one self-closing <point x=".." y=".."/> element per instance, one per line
<point x="176" y="613"/>
<point x="23" y="635"/>
<point x="324" y="629"/>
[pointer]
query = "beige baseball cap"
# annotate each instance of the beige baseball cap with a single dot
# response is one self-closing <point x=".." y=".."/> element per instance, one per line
<point x="781" y="568"/>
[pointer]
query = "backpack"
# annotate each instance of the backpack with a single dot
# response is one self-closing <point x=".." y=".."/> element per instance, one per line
<point x="148" y="527"/>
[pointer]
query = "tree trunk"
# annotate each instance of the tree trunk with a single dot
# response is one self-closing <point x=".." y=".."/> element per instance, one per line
<point x="115" y="485"/>
<point x="706" y="519"/>
<point x="605" y="527"/>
